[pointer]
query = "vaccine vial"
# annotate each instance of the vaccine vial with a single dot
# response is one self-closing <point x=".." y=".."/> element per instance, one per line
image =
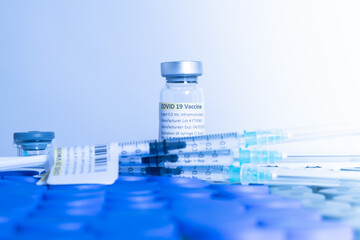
<point x="181" y="112"/>
<point x="33" y="143"/>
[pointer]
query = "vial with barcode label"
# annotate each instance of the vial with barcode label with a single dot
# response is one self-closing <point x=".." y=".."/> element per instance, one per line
<point x="181" y="112"/>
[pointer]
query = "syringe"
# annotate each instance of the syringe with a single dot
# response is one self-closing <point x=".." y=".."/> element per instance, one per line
<point x="229" y="141"/>
<point x="131" y="170"/>
<point x="207" y="173"/>
<point x="250" y="174"/>
<point x="42" y="162"/>
<point x="199" y="143"/>
<point x="11" y="163"/>
<point x="265" y="157"/>
<point x="238" y="157"/>
<point x="208" y="158"/>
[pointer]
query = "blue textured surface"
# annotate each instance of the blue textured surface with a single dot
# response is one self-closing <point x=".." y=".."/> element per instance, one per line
<point x="155" y="208"/>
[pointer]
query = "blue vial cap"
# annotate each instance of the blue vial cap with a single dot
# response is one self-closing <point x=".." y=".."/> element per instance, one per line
<point x="52" y="224"/>
<point x="177" y="193"/>
<point x="255" y="234"/>
<point x="5" y="183"/>
<point x="173" y="182"/>
<point x="134" y="215"/>
<point x="268" y="202"/>
<point x="339" y="191"/>
<point x="268" y="217"/>
<point x="135" y="188"/>
<point x="25" y="173"/>
<point x="23" y="178"/>
<point x="62" y="211"/>
<point x="73" y="194"/>
<point x="124" y="197"/>
<point x="59" y="235"/>
<point x="118" y="207"/>
<point x="182" y="206"/>
<point x="316" y="230"/>
<point x="122" y="179"/>
<point x="213" y="224"/>
<point x="19" y="206"/>
<point x="86" y="202"/>
<point x="7" y="226"/>
<point x="181" y="69"/>
<point x="77" y="187"/>
<point x="33" y="140"/>
<point x="135" y="226"/>
<point x="33" y="136"/>
<point x="289" y="188"/>
<point x="241" y="190"/>
<point x="10" y="218"/>
<point x="27" y="195"/>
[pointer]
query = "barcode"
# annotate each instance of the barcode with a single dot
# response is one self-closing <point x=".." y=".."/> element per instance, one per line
<point x="100" y="158"/>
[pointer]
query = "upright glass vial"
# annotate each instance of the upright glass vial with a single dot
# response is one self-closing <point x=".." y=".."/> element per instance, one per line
<point x="33" y="143"/>
<point x="181" y="112"/>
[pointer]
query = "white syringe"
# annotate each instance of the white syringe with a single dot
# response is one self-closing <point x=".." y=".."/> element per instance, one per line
<point x="239" y="157"/>
<point x="251" y="174"/>
<point x="275" y="158"/>
<point x="230" y="141"/>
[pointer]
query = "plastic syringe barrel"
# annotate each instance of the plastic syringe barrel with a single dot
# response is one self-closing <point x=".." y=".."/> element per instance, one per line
<point x="217" y="142"/>
<point x="264" y="137"/>
<point x="300" y="134"/>
<point x="275" y="157"/>
<point x="165" y="146"/>
<point x="10" y="163"/>
<point x="159" y="159"/>
<point x="161" y="171"/>
<point x="250" y="174"/>
<point x="259" y="157"/>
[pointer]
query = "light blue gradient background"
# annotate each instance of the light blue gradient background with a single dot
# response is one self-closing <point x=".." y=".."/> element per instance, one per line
<point x="90" y="70"/>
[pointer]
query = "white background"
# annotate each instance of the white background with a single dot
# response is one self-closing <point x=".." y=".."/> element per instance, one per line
<point x="90" y="70"/>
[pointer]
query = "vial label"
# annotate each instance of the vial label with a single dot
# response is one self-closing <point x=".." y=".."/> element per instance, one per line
<point x="96" y="164"/>
<point x="181" y="120"/>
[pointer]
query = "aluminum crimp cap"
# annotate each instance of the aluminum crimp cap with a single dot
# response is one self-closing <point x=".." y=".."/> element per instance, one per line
<point x="181" y="69"/>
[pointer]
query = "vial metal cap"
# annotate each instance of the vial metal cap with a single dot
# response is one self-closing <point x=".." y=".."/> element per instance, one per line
<point x="181" y="69"/>
<point x="33" y="136"/>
